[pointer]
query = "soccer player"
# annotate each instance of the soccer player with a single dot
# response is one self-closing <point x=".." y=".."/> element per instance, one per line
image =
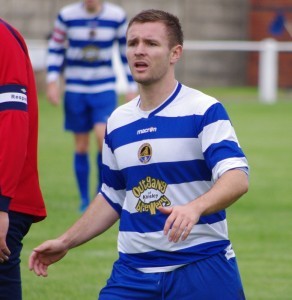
<point x="172" y="165"/>
<point x="21" y="201"/>
<point x="81" y="46"/>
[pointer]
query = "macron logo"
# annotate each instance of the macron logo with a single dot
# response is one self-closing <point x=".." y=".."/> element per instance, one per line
<point x="146" y="130"/>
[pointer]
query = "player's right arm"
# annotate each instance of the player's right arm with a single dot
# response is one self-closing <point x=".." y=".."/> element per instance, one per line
<point x="55" y="59"/>
<point x="53" y="92"/>
<point x="99" y="217"/>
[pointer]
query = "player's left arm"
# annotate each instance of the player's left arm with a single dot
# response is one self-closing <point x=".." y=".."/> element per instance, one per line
<point x="227" y="189"/>
<point x="13" y="123"/>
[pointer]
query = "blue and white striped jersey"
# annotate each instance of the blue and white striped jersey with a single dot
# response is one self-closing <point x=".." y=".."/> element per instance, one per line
<point x="82" y="43"/>
<point x="169" y="157"/>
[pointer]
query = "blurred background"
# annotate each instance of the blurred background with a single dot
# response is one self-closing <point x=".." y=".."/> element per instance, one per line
<point x="219" y="64"/>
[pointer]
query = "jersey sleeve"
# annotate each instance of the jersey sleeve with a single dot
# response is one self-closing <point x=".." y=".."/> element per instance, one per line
<point x="56" y="49"/>
<point x="13" y="115"/>
<point x="113" y="185"/>
<point x="220" y="145"/>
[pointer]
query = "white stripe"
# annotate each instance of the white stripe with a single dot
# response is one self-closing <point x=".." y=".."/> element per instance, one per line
<point x="178" y="194"/>
<point x="189" y="102"/>
<point x="101" y="33"/>
<point x="159" y="269"/>
<point x="108" y="158"/>
<point x="163" y="150"/>
<point x="75" y="53"/>
<point x="125" y="110"/>
<point x="136" y="242"/>
<point x="90" y="89"/>
<point x="228" y="164"/>
<point x="89" y="73"/>
<point x="54" y="59"/>
<point x="217" y="132"/>
<point x="116" y="197"/>
<point x="13" y="97"/>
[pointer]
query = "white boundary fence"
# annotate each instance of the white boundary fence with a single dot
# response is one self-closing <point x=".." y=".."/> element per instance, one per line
<point x="268" y="60"/>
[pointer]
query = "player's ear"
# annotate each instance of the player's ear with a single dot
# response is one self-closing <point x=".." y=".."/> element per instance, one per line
<point x="176" y="53"/>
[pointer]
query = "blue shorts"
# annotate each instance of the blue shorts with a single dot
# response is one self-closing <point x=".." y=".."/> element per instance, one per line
<point x="83" y="111"/>
<point x="214" y="278"/>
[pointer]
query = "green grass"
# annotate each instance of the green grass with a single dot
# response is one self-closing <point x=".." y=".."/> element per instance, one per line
<point x="259" y="224"/>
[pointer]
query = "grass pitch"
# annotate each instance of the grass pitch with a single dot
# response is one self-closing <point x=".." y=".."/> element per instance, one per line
<point x="259" y="224"/>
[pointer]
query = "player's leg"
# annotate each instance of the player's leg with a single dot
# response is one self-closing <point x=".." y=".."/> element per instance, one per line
<point x="10" y="278"/>
<point x="214" y="278"/>
<point x="131" y="284"/>
<point x="102" y="105"/>
<point x="78" y="120"/>
<point x="82" y="168"/>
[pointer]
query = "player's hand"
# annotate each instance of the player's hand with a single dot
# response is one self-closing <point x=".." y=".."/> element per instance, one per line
<point x="46" y="254"/>
<point x="53" y="93"/>
<point x="4" y="224"/>
<point x="179" y="223"/>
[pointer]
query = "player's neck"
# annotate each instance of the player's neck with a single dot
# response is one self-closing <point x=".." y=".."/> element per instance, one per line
<point x="93" y="9"/>
<point x="154" y="95"/>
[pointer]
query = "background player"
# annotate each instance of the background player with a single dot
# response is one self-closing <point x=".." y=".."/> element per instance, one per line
<point x="172" y="165"/>
<point x="82" y="46"/>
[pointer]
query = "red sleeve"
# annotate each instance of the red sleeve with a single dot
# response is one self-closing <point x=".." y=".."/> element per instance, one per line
<point x="13" y="114"/>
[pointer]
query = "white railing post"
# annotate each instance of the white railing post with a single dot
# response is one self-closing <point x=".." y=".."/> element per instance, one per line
<point x="268" y="71"/>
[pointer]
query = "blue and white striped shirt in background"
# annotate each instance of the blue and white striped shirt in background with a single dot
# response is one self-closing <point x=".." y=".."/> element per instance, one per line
<point x="82" y="45"/>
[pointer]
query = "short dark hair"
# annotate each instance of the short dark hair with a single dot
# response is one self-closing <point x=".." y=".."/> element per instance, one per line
<point x="172" y="23"/>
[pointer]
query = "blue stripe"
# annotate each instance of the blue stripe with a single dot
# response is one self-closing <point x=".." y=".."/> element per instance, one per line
<point x="130" y="78"/>
<point x="171" y="172"/>
<point x="12" y="88"/>
<point x="124" y="59"/>
<point x="145" y="222"/>
<point x="98" y="44"/>
<point x="90" y="82"/>
<point x="100" y="23"/>
<point x="115" y="206"/>
<point x="60" y="19"/>
<point x="164" y="258"/>
<point x="214" y="113"/>
<point x="55" y="69"/>
<point x="57" y="51"/>
<point x="223" y="150"/>
<point x="13" y="106"/>
<point x="142" y="222"/>
<point x="82" y="63"/>
<point x="181" y="127"/>
<point x="122" y="41"/>
<point x="113" y="179"/>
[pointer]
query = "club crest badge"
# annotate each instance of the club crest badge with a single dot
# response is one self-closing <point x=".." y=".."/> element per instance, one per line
<point x="90" y="53"/>
<point x="145" y="153"/>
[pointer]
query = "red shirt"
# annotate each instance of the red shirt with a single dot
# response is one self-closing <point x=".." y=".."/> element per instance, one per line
<point x="19" y="183"/>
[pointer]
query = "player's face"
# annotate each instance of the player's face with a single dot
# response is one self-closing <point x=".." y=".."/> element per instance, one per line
<point x="148" y="52"/>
